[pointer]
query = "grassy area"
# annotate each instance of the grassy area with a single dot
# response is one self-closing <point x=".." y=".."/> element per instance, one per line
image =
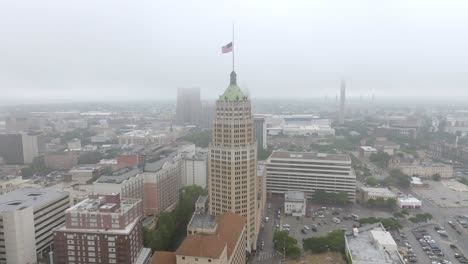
<point x="331" y="257"/>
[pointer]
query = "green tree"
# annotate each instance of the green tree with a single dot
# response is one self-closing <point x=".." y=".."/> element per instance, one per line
<point x="388" y="223"/>
<point x="263" y="154"/>
<point x="371" y="181"/>
<point x="380" y="159"/>
<point x="284" y="243"/>
<point x="333" y="241"/>
<point x="201" y="138"/>
<point x="90" y="157"/>
<point x="436" y="177"/>
<point x="391" y="203"/>
<point x="27" y="172"/>
<point x="330" y="197"/>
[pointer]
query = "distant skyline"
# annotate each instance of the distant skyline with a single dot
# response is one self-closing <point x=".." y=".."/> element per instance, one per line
<point x="110" y="50"/>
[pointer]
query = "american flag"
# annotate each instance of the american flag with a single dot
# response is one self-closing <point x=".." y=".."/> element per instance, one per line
<point x="227" y="48"/>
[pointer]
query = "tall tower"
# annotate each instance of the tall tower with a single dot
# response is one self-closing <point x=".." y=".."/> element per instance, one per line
<point x="232" y="161"/>
<point x="188" y="110"/>
<point x="341" y="117"/>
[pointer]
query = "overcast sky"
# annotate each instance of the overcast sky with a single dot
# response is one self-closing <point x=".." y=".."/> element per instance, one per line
<point x="118" y="50"/>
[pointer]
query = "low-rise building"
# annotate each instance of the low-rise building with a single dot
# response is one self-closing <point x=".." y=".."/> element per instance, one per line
<point x="9" y="183"/>
<point x="102" y="229"/>
<point x="384" y="145"/>
<point x="219" y="240"/>
<point x="366" y="151"/>
<point x="294" y="203"/>
<point x="366" y="193"/>
<point x="408" y="202"/>
<point x="63" y="160"/>
<point x="428" y="169"/>
<point x="28" y="217"/>
<point x="372" y="244"/>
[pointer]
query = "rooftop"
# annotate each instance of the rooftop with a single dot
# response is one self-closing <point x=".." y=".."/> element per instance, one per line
<point x="309" y="156"/>
<point x="294" y="195"/>
<point x="378" y="191"/>
<point x="202" y="220"/>
<point x="368" y="148"/>
<point x="103" y="203"/>
<point x="26" y="197"/>
<point x="157" y="165"/>
<point x="233" y="92"/>
<point x="163" y="257"/>
<point x="201" y="200"/>
<point x="119" y="176"/>
<point x="373" y="245"/>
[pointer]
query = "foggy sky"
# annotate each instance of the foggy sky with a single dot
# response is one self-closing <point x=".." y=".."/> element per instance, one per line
<point x="133" y="50"/>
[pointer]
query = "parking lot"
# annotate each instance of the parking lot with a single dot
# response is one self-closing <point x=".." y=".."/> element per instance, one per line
<point x="320" y="221"/>
<point x="445" y="194"/>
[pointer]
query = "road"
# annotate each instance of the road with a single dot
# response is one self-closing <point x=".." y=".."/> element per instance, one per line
<point x="268" y="253"/>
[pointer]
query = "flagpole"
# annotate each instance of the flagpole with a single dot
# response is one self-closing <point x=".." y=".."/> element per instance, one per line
<point x="233" y="47"/>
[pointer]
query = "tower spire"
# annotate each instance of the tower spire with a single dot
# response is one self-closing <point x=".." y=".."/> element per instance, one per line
<point x="233" y="47"/>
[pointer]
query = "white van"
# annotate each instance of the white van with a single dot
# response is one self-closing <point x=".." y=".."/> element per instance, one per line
<point x="266" y="219"/>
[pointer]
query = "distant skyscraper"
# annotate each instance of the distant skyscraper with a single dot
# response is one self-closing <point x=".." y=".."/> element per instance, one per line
<point x="188" y="106"/>
<point x="232" y="163"/>
<point x="19" y="148"/>
<point x="341" y="117"/>
<point x="260" y="132"/>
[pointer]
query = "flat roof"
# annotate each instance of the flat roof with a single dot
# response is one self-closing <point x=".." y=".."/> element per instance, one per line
<point x="294" y="195"/>
<point x="375" y="190"/>
<point x="119" y="176"/>
<point x="27" y="197"/>
<point x="363" y="247"/>
<point x="368" y="148"/>
<point x="203" y="220"/>
<point x="309" y="156"/>
<point x="202" y="199"/>
<point x="157" y="165"/>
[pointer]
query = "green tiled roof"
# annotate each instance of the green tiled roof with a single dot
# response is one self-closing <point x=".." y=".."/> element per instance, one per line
<point x="233" y="92"/>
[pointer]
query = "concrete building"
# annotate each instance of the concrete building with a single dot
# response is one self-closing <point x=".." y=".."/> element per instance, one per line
<point x="372" y="244"/>
<point x="10" y="183"/>
<point x="427" y="169"/>
<point x="232" y="162"/>
<point x="295" y="203"/>
<point x="408" y="202"/>
<point x="145" y="137"/>
<point x="189" y="107"/>
<point x="28" y="217"/>
<point x="366" y="151"/>
<point x="308" y="172"/>
<point x="19" y="148"/>
<point x="84" y="172"/>
<point x="195" y="169"/>
<point x="260" y="132"/>
<point x="261" y="191"/>
<point x="208" y="110"/>
<point x="163" y="180"/>
<point x="384" y="145"/>
<point x="221" y="240"/>
<point x="74" y="144"/>
<point x="366" y="193"/>
<point x="128" y="182"/>
<point x="102" y="229"/>
<point x="341" y="117"/>
<point x="62" y="160"/>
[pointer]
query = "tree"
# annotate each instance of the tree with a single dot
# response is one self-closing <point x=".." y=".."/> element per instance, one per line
<point x="371" y="181"/>
<point x="399" y="178"/>
<point x="27" y="172"/>
<point x="388" y="223"/>
<point x="380" y="159"/>
<point x="90" y="157"/>
<point x="333" y="241"/>
<point x="391" y="203"/>
<point x="371" y="202"/>
<point x="284" y="243"/>
<point x="436" y="177"/>
<point x="200" y="138"/>
<point x="263" y="154"/>
<point x="330" y="197"/>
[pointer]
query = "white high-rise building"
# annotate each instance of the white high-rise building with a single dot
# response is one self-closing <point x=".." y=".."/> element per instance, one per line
<point x="195" y="167"/>
<point x="28" y="217"/>
<point x="309" y="172"/>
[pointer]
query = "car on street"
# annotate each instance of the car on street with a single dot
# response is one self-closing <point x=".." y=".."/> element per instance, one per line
<point x="306" y="227"/>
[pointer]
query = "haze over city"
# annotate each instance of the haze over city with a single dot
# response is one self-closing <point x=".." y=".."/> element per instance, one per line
<point x="107" y="50"/>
